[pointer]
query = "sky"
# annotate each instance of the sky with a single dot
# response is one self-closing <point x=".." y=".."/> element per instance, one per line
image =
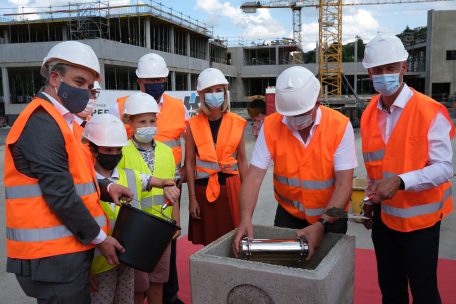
<point x="230" y="23"/>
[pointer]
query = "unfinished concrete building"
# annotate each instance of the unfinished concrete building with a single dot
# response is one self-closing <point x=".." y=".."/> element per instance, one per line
<point x="120" y="35"/>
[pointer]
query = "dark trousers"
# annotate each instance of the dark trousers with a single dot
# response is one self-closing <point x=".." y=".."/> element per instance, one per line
<point x="73" y="292"/>
<point x="171" y="287"/>
<point x="406" y="258"/>
<point x="286" y="220"/>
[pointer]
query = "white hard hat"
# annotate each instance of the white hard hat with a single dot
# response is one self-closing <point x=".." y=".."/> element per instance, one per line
<point x="139" y="103"/>
<point x="210" y="77"/>
<point x="297" y="91"/>
<point x="106" y="130"/>
<point x="384" y="49"/>
<point x="152" y="66"/>
<point x="71" y="52"/>
<point x="96" y="86"/>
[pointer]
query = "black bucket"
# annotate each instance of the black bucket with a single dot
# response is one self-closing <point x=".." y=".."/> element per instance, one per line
<point x="144" y="237"/>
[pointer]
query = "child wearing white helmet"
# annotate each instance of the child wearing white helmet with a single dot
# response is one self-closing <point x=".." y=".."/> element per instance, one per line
<point x="149" y="156"/>
<point x="215" y="161"/>
<point x="106" y="136"/>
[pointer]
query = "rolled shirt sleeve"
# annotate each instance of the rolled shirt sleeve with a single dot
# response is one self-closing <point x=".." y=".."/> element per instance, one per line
<point x="261" y="157"/>
<point x="345" y="155"/>
<point x="440" y="154"/>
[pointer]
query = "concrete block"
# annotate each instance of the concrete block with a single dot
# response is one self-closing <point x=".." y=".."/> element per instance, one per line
<point x="217" y="277"/>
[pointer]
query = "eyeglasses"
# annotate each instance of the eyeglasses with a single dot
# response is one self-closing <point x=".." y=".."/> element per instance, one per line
<point x="94" y="93"/>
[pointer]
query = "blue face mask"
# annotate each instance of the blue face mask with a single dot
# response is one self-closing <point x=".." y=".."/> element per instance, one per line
<point x="73" y="99"/>
<point x="155" y="90"/>
<point x="214" y="100"/>
<point x="386" y="84"/>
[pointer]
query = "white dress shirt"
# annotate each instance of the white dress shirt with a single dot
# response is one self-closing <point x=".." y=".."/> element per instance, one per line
<point x="344" y="157"/>
<point x="69" y="117"/>
<point x="440" y="167"/>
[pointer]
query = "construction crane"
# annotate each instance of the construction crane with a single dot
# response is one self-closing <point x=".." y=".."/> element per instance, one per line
<point x="329" y="34"/>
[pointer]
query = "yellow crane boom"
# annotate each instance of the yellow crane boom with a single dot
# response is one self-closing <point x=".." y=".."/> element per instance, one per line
<point x="330" y="32"/>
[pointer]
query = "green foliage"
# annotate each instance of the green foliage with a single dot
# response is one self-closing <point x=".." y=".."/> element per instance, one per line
<point x="348" y="53"/>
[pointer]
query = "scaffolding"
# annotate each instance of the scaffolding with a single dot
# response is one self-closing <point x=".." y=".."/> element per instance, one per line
<point x="97" y="20"/>
<point x="90" y="21"/>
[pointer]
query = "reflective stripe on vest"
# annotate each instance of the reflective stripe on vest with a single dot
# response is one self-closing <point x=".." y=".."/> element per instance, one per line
<point x="112" y="222"/>
<point x="44" y="234"/>
<point x="172" y="143"/>
<point x="305" y="184"/>
<point x="299" y="206"/>
<point x="154" y="200"/>
<point x="425" y="209"/>
<point x="131" y="182"/>
<point x="373" y="156"/>
<point x="213" y="166"/>
<point x="34" y="190"/>
<point x="207" y="165"/>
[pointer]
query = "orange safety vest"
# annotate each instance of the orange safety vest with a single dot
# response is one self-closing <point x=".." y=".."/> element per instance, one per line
<point x="406" y="150"/>
<point x="170" y="124"/>
<point x="304" y="179"/>
<point x="121" y="106"/>
<point x="32" y="229"/>
<point x="221" y="157"/>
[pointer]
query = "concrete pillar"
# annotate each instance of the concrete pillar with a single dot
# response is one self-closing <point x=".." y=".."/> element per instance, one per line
<point x="5" y="36"/>
<point x="355" y="75"/>
<point x="237" y="90"/>
<point x="208" y="51"/>
<point x="277" y="55"/>
<point x="429" y="44"/>
<point x="189" y="82"/>
<point x="173" y="81"/>
<point x="6" y="91"/>
<point x="187" y="37"/>
<point x="171" y="39"/>
<point x="102" y="73"/>
<point x="147" y="32"/>
<point x="64" y="33"/>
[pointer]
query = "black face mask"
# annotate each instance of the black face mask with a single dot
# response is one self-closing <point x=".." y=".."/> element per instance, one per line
<point x="74" y="99"/>
<point x="155" y="90"/>
<point x="108" y="161"/>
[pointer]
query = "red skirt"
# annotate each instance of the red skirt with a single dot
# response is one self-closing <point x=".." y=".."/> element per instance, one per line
<point x="217" y="218"/>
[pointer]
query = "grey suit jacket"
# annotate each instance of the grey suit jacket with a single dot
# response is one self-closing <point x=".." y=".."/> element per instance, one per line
<point x="40" y="153"/>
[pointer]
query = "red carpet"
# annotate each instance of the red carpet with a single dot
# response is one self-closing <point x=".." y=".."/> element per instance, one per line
<point x="366" y="287"/>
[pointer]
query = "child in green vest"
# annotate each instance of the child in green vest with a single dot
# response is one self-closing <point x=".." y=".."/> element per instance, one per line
<point x="148" y="156"/>
<point x="106" y="136"/>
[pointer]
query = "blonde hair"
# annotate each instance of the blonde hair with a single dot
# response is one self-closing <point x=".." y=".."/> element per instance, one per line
<point x="225" y="106"/>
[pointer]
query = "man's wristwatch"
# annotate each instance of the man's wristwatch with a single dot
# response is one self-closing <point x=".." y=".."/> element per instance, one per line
<point x="324" y="222"/>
